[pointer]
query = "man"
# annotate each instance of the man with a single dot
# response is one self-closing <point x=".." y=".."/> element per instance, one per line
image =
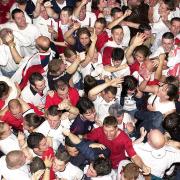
<point x="64" y="169"/>
<point x="156" y="154"/>
<point x="103" y="96"/>
<point x="35" y="92"/>
<point x="52" y="127"/>
<point x="117" y="141"/>
<point x="13" y="166"/>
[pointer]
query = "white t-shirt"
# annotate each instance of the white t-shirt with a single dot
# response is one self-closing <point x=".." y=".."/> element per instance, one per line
<point x="8" y="174"/>
<point x="71" y="172"/>
<point x="9" y="144"/>
<point x="162" y="107"/>
<point x="158" y="160"/>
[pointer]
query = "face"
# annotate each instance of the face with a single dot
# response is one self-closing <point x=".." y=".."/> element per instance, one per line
<point x="110" y="132"/>
<point x="167" y="44"/>
<point x="120" y="118"/>
<point x="99" y="28"/>
<point x="43" y="13"/>
<point x="117" y="36"/>
<point x="175" y="27"/>
<point x="147" y="34"/>
<point x="91" y="172"/>
<point x="72" y="58"/>
<point x="20" y="20"/>
<point x="40" y="85"/>
<point x="58" y="165"/>
<point x="108" y="96"/>
<point x="16" y="111"/>
<point x="162" y="8"/>
<point x="6" y="130"/>
<point x="63" y="91"/>
<point x="102" y="3"/>
<point x="162" y="92"/>
<point x="54" y="121"/>
<point x="131" y="92"/>
<point x="82" y="13"/>
<point x="118" y="15"/>
<point x="64" y="17"/>
<point x="116" y="63"/>
<point x="43" y="145"/>
<point x="72" y="151"/>
<point x="84" y="39"/>
<point x="90" y="114"/>
<point x="139" y="57"/>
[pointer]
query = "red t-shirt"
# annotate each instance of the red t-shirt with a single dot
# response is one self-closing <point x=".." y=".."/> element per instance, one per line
<point x="1" y="104"/>
<point x="101" y="40"/>
<point x="118" y="146"/>
<point x="134" y="67"/>
<point x="107" y="53"/>
<point x="55" y="100"/>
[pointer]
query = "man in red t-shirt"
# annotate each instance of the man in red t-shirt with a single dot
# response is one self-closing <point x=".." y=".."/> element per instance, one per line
<point x="117" y="141"/>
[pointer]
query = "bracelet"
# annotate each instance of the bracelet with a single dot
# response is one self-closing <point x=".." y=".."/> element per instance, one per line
<point x="48" y="168"/>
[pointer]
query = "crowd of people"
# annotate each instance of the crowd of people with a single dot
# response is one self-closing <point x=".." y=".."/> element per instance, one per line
<point x="89" y="89"/>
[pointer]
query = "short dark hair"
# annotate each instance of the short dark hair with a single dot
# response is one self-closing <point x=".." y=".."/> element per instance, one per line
<point x="116" y="27"/>
<point x="54" y="65"/>
<point x="111" y="89"/>
<point x="53" y="111"/>
<point x="63" y="156"/>
<point x="115" y="10"/>
<point x="36" y="164"/>
<point x="34" y="139"/>
<point x="144" y="50"/>
<point x="16" y="11"/>
<point x="175" y="19"/>
<point x="89" y="83"/>
<point x="102" y="166"/>
<point x="83" y="30"/>
<point x="117" y="54"/>
<point x="172" y="92"/>
<point x="102" y="21"/>
<point x="60" y="84"/>
<point x="110" y="121"/>
<point x="168" y="35"/>
<point x="144" y="27"/>
<point x="4" y="89"/>
<point x="36" y="76"/>
<point x="33" y="120"/>
<point x="69" y="9"/>
<point x="84" y="104"/>
<point x="131" y="171"/>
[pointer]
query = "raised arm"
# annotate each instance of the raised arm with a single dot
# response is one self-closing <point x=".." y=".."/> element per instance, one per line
<point x="50" y="11"/>
<point x="78" y="9"/>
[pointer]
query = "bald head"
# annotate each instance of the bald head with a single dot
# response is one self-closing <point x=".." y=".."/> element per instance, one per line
<point x="43" y="43"/>
<point x="156" y="139"/>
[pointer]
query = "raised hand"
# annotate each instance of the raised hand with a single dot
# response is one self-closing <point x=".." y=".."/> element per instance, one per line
<point x="76" y="25"/>
<point x="127" y="13"/>
<point x="48" y="161"/>
<point x="116" y="81"/>
<point x="48" y="4"/>
<point x="139" y="39"/>
<point x="9" y="38"/>
<point x="93" y="37"/>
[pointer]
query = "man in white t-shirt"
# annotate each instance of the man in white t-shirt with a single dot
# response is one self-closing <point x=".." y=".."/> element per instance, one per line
<point x="65" y="169"/>
<point x="158" y="156"/>
<point x="13" y="166"/>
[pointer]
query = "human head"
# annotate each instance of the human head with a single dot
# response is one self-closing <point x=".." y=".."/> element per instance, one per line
<point x="86" y="108"/>
<point x="100" y="25"/>
<point x="37" y="81"/>
<point x="56" y="67"/>
<point x="171" y="124"/>
<point x="145" y="29"/>
<point x="84" y="36"/>
<point x="130" y="171"/>
<point x="89" y="83"/>
<point x="60" y="161"/>
<point x="110" y="127"/>
<point x="70" y="55"/>
<point x="167" y="41"/>
<point x="70" y="147"/>
<point x="166" y="6"/>
<point x="4" y="90"/>
<point x="141" y="53"/>
<point x="98" y="4"/>
<point x="32" y="121"/>
<point x="117" y="111"/>
<point x="43" y="13"/>
<point x="15" y="108"/>
<point x="37" y="142"/>
<point x="129" y="86"/>
<point x="168" y="92"/>
<point x="53" y="115"/>
<point x="172" y="80"/>
<point x="36" y="164"/>
<point x="4" y="33"/>
<point x="116" y="12"/>
<point x="175" y="26"/>
<point x="19" y="18"/>
<point x="82" y="14"/>
<point x="65" y="15"/>
<point x="117" y="34"/>
<point x="5" y="130"/>
<point x="15" y="159"/>
<point x="117" y="56"/>
<point x="156" y="139"/>
<point x="43" y="44"/>
<point x="62" y="88"/>
<point x="109" y="93"/>
<point x="99" y="167"/>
